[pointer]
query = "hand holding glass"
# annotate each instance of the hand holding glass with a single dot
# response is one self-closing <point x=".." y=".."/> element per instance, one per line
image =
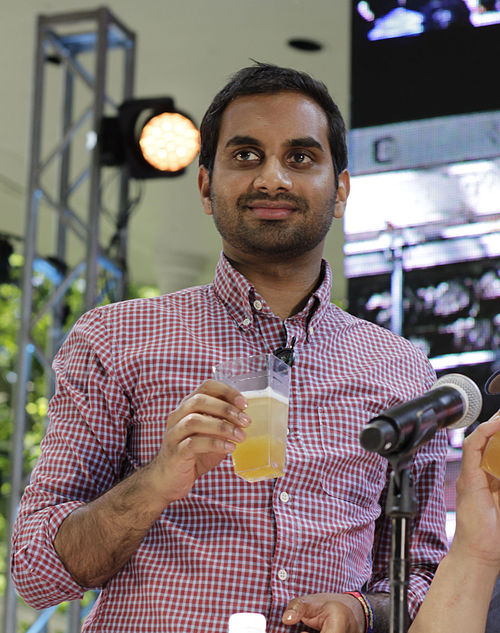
<point x="263" y="380"/>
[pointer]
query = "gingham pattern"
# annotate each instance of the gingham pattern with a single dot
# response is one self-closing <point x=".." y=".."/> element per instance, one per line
<point x="230" y="545"/>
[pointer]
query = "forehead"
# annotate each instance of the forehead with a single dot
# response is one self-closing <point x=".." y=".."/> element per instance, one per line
<point x="274" y="118"/>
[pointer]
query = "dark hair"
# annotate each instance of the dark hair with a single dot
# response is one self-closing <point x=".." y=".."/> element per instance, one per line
<point x="269" y="79"/>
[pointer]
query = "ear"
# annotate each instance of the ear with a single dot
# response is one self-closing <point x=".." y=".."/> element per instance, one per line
<point x="342" y="193"/>
<point x="204" y="187"/>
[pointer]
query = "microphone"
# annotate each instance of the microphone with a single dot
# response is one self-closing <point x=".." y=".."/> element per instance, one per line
<point x="454" y="401"/>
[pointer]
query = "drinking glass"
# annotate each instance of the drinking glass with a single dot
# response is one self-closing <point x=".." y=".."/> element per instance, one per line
<point x="264" y="381"/>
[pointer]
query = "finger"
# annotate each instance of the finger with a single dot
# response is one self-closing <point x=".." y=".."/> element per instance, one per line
<point x="197" y="424"/>
<point x="203" y="445"/>
<point x="209" y="404"/>
<point x="222" y="391"/>
<point x="294" y="611"/>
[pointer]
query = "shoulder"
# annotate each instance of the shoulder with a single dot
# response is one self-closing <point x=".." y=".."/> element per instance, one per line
<point x="368" y="344"/>
<point x="142" y="310"/>
<point x="356" y="325"/>
<point x="351" y="325"/>
<point x="138" y="320"/>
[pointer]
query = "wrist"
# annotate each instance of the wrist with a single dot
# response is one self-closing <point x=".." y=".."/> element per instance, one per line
<point x="367" y="609"/>
<point x="156" y="480"/>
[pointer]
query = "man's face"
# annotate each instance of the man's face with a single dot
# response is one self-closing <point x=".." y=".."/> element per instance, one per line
<point x="272" y="191"/>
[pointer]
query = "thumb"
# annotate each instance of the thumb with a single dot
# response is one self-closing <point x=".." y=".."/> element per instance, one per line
<point x="294" y="611"/>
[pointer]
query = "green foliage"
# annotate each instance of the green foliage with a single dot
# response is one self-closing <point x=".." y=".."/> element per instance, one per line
<point x="39" y="385"/>
<point x="36" y="400"/>
<point x="9" y="319"/>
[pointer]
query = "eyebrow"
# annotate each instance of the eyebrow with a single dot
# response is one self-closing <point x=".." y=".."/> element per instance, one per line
<point x="242" y="140"/>
<point x="306" y="141"/>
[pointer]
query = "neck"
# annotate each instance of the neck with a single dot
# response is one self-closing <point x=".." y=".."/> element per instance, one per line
<point x="285" y="285"/>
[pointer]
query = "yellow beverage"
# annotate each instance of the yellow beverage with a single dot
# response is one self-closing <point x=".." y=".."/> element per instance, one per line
<point x="491" y="456"/>
<point x="262" y="454"/>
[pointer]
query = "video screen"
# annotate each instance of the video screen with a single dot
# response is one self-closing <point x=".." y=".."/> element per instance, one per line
<point x="384" y="19"/>
<point x="420" y="59"/>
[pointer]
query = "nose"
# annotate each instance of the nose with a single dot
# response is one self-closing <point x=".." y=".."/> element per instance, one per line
<point x="272" y="176"/>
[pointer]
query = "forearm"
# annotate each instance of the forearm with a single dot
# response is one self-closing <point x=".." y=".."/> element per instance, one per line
<point x="96" y="540"/>
<point x="458" y="599"/>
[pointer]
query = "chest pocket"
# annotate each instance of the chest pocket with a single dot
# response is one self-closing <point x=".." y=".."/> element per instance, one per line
<point x="350" y="472"/>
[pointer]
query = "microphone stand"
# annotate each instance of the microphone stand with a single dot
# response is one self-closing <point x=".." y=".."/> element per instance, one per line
<point x="400" y="507"/>
<point x="400" y="504"/>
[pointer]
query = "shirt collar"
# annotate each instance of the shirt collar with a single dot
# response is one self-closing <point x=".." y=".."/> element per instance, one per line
<point x="240" y="297"/>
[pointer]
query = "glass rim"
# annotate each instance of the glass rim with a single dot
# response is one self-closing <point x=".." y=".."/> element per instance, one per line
<point x="231" y="361"/>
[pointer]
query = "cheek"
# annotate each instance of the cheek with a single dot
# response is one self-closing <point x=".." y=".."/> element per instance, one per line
<point x="231" y="186"/>
<point x="321" y="187"/>
<point x="326" y="180"/>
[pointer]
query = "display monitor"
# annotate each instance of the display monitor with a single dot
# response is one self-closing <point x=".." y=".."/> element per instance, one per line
<point x="419" y="59"/>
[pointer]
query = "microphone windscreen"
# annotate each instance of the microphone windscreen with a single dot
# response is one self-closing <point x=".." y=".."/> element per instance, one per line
<point x="471" y="397"/>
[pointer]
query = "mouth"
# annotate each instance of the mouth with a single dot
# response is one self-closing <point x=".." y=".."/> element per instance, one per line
<point x="266" y="210"/>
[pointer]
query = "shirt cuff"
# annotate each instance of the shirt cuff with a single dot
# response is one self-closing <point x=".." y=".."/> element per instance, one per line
<point x="37" y="571"/>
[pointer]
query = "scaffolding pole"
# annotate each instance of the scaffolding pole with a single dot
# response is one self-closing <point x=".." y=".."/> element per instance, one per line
<point x="65" y="183"/>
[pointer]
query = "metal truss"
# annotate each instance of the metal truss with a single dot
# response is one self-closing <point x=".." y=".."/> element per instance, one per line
<point x="84" y="69"/>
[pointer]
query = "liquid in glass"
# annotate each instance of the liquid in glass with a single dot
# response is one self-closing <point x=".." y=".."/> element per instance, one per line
<point x="262" y="454"/>
<point x="491" y="456"/>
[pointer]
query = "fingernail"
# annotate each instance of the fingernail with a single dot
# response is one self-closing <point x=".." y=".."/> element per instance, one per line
<point x="245" y="420"/>
<point x="240" y="402"/>
<point x="238" y="433"/>
<point x="288" y="616"/>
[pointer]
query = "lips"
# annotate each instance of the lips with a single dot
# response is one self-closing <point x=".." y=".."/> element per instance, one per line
<point x="266" y="210"/>
<point x="265" y="207"/>
<point x="271" y="213"/>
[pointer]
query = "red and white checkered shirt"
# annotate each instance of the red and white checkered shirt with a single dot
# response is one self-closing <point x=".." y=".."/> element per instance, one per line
<point x="229" y="545"/>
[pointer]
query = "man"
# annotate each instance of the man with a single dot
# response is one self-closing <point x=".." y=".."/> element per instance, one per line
<point x="134" y="491"/>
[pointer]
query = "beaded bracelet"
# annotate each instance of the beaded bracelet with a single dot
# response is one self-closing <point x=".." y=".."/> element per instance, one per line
<point x="367" y="608"/>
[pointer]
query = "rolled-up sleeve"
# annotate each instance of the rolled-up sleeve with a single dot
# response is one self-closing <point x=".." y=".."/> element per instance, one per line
<point x="81" y="457"/>
<point x="38" y="573"/>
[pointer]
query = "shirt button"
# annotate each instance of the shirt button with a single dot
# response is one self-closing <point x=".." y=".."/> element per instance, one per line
<point x="282" y="574"/>
<point x="284" y="497"/>
<point x="246" y="322"/>
<point x="257" y="304"/>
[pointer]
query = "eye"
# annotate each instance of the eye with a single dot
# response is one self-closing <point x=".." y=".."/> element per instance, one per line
<point x="300" y="158"/>
<point x="246" y="155"/>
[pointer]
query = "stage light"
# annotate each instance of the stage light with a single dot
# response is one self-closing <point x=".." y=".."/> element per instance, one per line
<point x="169" y="141"/>
<point x="151" y="136"/>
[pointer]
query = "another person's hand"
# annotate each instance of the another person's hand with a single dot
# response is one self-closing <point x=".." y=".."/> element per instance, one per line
<point x="478" y="500"/>
<point x="459" y="596"/>
<point x="327" y="612"/>
<point x="200" y="433"/>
